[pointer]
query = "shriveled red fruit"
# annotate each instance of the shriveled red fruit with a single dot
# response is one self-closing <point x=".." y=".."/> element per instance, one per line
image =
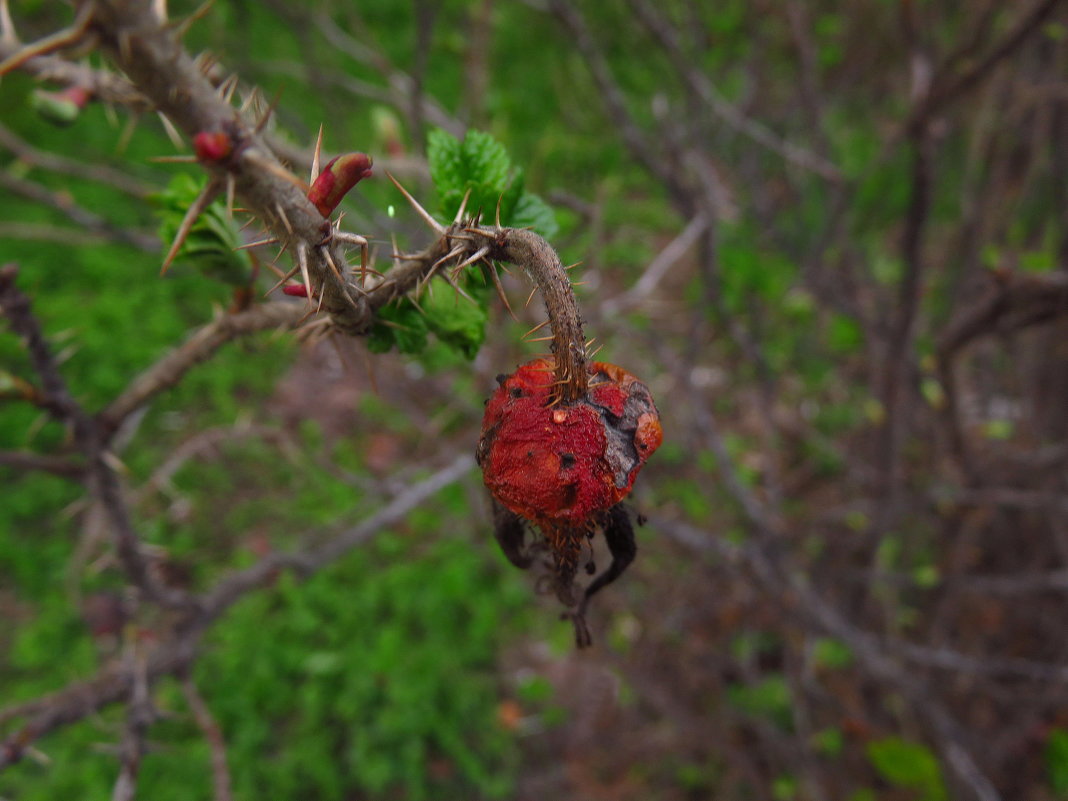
<point x="560" y="466"/>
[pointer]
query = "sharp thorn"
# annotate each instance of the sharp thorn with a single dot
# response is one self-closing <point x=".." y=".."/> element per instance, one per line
<point x="497" y="216"/>
<point x="273" y="167"/>
<point x="500" y="291"/>
<point x="282" y="216"/>
<point x="231" y="189"/>
<point x="463" y="206"/>
<point x="172" y="132"/>
<point x="271" y="241"/>
<point x="205" y="62"/>
<point x="458" y="289"/>
<point x="249" y="101"/>
<point x="315" y="156"/>
<point x="437" y="227"/>
<point x="530" y="297"/>
<point x="227" y="87"/>
<point x="481" y="232"/>
<point x="268" y="112"/>
<point x="285" y="278"/>
<point x="203" y="200"/>
<point x="450" y="255"/>
<point x="183" y="27"/>
<point x="302" y="262"/>
<point x="274" y="268"/>
<point x="476" y="256"/>
<point x="535" y="329"/>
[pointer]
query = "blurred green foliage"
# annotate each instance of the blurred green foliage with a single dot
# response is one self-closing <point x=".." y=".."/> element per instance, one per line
<point x="1056" y="755"/>
<point x="909" y="765"/>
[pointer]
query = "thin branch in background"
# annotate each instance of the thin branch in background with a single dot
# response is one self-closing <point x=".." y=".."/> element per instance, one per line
<point x="637" y="141"/>
<point x="176" y="653"/>
<point x="400" y="83"/>
<point x="764" y="558"/>
<point x="65" y="204"/>
<point x="949" y="85"/>
<point x="700" y="85"/>
<point x="220" y="772"/>
<point x="139" y="717"/>
<point x="895" y="380"/>
<point x="78" y="168"/>
<point x="654" y="273"/>
<point x="170" y="369"/>
<point x="23" y="461"/>
<point x="103" y="483"/>
<point x="425" y="17"/>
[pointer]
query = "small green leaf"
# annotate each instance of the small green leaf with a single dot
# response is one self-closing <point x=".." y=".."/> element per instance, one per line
<point x="443" y="152"/>
<point x="398" y="325"/>
<point x="831" y="653"/>
<point x="486" y="161"/>
<point x="1056" y="755"/>
<point x="769" y="698"/>
<point x="454" y="320"/>
<point x="210" y="244"/>
<point x="909" y="765"/>
<point x="533" y="212"/>
<point x="829" y="741"/>
<point x="998" y="429"/>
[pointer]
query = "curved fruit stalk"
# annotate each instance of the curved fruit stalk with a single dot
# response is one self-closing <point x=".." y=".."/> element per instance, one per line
<point x="565" y="467"/>
<point x="562" y="439"/>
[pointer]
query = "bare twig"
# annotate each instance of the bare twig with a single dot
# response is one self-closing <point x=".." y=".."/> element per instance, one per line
<point x="103" y="482"/>
<point x="175" y="654"/>
<point x="202" y="345"/>
<point x="139" y="716"/>
<point x="56" y="465"/>
<point x="701" y="86"/>
<point x="220" y="772"/>
<point x="65" y="204"/>
<point x="98" y="173"/>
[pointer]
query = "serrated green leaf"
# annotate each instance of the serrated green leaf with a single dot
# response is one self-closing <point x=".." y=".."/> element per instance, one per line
<point x="486" y="161"/>
<point x="210" y="244"/>
<point x="454" y="320"/>
<point x="1056" y="755"/>
<point x="510" y="197"/>
<point x="398" y="325"/>
<point x="443" y="152"/>
<point x="910" y="765"/>
<point x="533" y="212"/>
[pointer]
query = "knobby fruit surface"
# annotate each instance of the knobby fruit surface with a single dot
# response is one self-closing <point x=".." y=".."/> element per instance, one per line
<point x="561" y="465"/>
